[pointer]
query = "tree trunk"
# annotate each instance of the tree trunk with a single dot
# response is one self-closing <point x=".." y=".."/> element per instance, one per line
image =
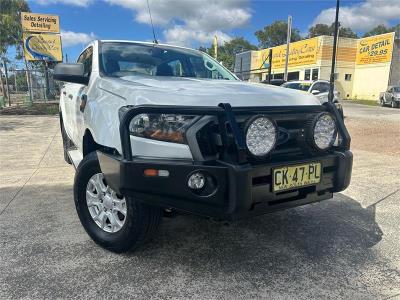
<point x="3" y="90"/>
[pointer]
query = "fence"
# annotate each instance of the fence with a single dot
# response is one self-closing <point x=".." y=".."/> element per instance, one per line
<point x="21" y="86"/>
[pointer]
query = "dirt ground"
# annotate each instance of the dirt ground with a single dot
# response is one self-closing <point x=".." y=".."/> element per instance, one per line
<point x="378" y="136"/>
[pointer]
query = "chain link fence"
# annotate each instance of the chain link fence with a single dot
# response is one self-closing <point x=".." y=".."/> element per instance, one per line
<point x="20" y="86"/>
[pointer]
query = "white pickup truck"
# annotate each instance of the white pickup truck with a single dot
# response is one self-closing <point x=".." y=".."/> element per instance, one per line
<point x="152" y="128"/>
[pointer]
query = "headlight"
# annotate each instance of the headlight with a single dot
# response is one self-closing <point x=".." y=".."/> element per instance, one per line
<point x="261" y="135"/>
<point x="162" y="127"/>
<point x="324" y="131"/>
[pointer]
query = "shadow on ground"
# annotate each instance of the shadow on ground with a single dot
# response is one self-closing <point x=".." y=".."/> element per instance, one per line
<point x="308" y="248"/>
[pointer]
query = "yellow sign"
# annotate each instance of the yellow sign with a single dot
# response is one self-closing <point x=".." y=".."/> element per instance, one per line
<point x="375" y="49"/>
<point x="40" y="23"/>
<point x="42" y="47"/>
<point x="300" y="53"/>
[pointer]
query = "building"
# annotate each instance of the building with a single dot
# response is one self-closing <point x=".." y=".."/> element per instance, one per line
<point x="365" y="67"/>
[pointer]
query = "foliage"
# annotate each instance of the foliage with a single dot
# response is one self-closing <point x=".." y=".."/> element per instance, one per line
<point x="381" y="29"/>
<point x="227" y="52"/>
<point x="21" y="81"/>
<point x="324" y="29"/>
<point x="275" y="34"/>
<point x="10" y="24"/>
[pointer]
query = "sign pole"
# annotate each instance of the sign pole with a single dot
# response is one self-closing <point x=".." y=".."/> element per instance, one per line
<point x="289" y="35"/>
<point x="7" y="86"/>
<point x="335" y="38"/>
<point x="269" y="65"/>
<point x="46" y="77"/>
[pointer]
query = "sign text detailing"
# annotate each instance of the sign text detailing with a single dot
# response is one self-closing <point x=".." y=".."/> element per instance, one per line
<point x="300" y="53"/>
<point x="40" y="23"/>
<point x="375" y="49"/>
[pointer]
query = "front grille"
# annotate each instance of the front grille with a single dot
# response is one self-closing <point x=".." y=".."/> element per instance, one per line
<point x="293" y="128"/>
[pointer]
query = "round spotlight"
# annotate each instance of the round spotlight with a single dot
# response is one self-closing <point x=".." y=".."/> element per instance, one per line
<point x="261" y="135"/>
<point x="324" y="132"/>
<point x="196" y="181"/>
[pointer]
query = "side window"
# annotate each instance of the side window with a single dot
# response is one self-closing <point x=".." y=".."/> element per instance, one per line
<point x="324" y="87"/>
<point x="86" y="59"/>
<point x="316" y="87"/>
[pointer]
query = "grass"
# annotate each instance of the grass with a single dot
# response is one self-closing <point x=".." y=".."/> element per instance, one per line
<point x="31" y="109"/>
<point x="363" y="102"/>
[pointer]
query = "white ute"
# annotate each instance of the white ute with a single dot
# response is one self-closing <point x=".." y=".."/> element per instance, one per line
<point x="155" y="128"/>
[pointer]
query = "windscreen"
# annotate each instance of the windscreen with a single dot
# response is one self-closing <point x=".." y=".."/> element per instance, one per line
<point x="118" y="59"/>
<point x="297" y="86"/>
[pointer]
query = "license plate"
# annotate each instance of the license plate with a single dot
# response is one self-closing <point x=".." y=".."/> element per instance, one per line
<point x="290" y="177"/>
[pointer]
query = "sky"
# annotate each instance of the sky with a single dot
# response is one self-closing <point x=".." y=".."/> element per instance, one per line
<point x="194" y="23"/>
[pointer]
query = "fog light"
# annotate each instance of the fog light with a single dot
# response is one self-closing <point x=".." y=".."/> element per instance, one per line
<point x="196" y="181"/>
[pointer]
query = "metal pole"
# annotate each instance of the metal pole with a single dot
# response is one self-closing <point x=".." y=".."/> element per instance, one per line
<point x="28" y="81"/>
<point x="289" y="34"/>
<point x="335" y="38"/>
<point x="46" y="77"/>
<point x="15" y="81"/>
<point x="269" y="65"/>
<point x="7" y="86"/>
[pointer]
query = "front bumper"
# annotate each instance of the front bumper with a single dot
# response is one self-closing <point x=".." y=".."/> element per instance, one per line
<point x="240" y="189"/>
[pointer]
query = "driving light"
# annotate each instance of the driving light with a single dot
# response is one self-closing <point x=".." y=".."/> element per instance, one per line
<point x="162" y="127"/>
<point x="196" y="181"/>
<point x="324" y="131"/>
<point x="261" y="135"/>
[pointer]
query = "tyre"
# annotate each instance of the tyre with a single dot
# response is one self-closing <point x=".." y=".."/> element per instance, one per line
<point x="114" y="222"/>
<point x="394" y="104"/>
<point x="382" y="102"/>
<point x="67" y="144"/>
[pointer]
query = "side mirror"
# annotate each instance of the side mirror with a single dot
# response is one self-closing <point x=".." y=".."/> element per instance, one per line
<point x="315" y="92"/>
<point x="73" y="73"/>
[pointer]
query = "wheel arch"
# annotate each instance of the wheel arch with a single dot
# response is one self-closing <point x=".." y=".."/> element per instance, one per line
<point x="89" y="145"/>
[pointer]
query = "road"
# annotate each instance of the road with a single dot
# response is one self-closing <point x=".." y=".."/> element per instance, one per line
<point x="344" y="248"/>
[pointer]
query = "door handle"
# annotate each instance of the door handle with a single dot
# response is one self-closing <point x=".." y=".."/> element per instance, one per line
<point x="64" y="93"/>
<point x="70" y="96"/>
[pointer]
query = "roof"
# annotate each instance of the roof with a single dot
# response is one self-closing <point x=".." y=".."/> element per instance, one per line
<point x="147" y="43"/>
<point x="307" y="81"/>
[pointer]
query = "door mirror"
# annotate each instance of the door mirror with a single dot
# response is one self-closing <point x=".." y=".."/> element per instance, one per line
<point x="73" y="73"/>
<point x="315" y="92"/>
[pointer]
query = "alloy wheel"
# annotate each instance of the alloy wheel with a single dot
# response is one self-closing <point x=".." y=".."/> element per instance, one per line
<point x="107" y="209"/>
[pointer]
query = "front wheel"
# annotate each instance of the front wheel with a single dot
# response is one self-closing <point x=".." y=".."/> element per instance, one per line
<point x="394" y="104"/>
<point x="382" y="102"/>
<point x="113" y="221"/>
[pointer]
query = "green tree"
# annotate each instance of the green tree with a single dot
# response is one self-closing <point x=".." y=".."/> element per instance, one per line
<point x="10" y="29"/>
<point x="10" y="24"/>
<point x="324" y="29"/>
<point x="227" y="51"/>
<point x="381" y="29"/>
<point x="275" y="34"/>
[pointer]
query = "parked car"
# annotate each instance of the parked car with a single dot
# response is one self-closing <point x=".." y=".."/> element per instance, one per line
<point x="154" y="128"/>
<point x="319" y="88"/>
<point x="277" y="82"/>
<point x="390" y="97"/>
